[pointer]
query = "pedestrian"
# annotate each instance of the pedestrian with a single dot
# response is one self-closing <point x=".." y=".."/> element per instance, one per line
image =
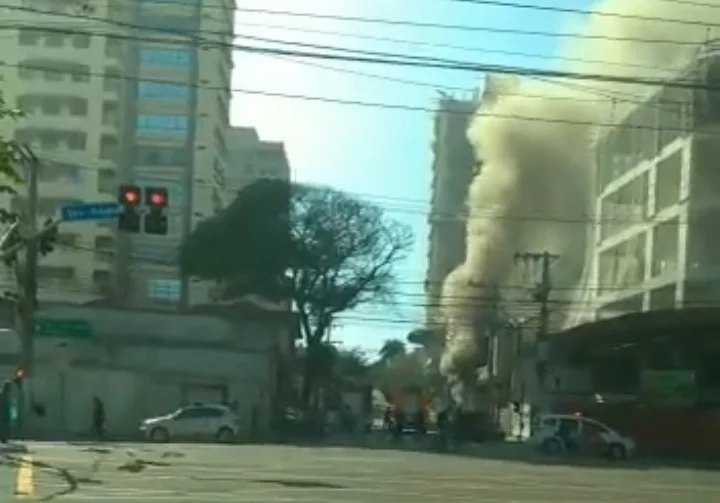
<point x="98" y="418"/>
<point x="5" y="405"/>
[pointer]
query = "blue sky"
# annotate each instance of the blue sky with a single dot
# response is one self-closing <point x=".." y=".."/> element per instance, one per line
<point x="382" y="154"/>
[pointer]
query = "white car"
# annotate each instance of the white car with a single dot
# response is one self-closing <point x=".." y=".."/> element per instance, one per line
<point x="197" y="421"/>
<point x="555" y="433"/>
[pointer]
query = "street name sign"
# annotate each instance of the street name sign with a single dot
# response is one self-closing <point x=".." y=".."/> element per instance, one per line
<point x="66" y="328"/>
<point x="90" y="211"/>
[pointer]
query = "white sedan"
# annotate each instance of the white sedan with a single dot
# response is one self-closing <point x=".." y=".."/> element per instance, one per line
<point x="198" y="421"/>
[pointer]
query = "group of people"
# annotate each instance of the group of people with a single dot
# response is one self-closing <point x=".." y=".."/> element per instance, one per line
<point x="9" y="412"/>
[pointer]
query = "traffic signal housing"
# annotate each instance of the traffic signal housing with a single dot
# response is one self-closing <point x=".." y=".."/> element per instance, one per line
<point x="129" y="197"/>
<point x="48" y="239"/>
<point x="19" y="375"/>
<point x="156" y="199"/>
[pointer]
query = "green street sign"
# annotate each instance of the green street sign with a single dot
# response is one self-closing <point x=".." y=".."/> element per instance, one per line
<point x="65" y="328"/>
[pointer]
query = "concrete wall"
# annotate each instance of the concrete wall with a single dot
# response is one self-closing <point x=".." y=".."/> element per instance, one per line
<point x="143" y="364"/>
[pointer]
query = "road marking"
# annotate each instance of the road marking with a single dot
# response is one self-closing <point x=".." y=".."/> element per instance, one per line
<point x="25" y="478"/>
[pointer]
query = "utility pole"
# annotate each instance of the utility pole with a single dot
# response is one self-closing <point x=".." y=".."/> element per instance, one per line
<point x="27" y="275"/>
<point x="541" y="294"/>
<point x="490" y="305"/>
<point x="28" y="297"/>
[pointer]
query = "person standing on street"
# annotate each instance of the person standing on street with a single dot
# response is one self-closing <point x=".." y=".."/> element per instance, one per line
<point x="98" y="418"/>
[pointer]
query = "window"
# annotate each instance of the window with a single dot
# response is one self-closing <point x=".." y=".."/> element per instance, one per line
<point x="110" y="115"/>
<point x="109" y="148"/>
<point x="164" y="289"/>
<point x="55" y="171"/>
<point x="111" y="80"/>
<point x="104" y="243"/>
<point x="171" y="123"/>
<point x="29" y="37"/>
<point x="162" y="156"/>
<point x="51" y="106"/>
<point x="76" y="141"/>
<point x="81" y="75"/>
<point x="173" y="24"/>
<point x="81" y="41"/>
<point x="106" y="183"/>
<point x="594" y="428"/>
<point x="67" y="239"/>
<point x="78" y="107"/>
<point x="568" y="426"/>
<point x="101" y="276"/>
<point x="55" y="273"/>
<point x="113" y="48"/>
<point x="54" y="40"/>
<point x="166" y="57"/>
<point x="162" y="90"/>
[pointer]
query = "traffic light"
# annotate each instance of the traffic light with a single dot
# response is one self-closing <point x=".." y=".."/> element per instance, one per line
<point x="19" y="375"/>
<point x="48" y="239"/>
<point x="156" y="199"/>
<point x="129" y="198"/>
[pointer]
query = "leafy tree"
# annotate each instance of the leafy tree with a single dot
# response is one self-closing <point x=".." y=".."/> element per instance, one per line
<point x="323" y="249"/>
<point x="391" y="349"/>
<point x="11" y="154"/>
<point x="352" y="364"/>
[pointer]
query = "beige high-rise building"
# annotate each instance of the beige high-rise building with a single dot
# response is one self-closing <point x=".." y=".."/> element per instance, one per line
<point x="453" y="167"/>
<point x="119" y="91"/>
<point x="251" y="159"/>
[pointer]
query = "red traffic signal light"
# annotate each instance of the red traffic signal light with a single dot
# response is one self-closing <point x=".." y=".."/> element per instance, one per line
<point x="130" y="195"/>
<point x="19" y="374"/>
<point x="156" y="196"/>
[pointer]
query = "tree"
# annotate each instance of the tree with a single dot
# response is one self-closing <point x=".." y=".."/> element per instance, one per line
<point x="352" y="365"/>
<point x="403" y="371"/>
<point x="391" y="349"/>
<point x="11" y="154"/>
<point x="324" y="250"/>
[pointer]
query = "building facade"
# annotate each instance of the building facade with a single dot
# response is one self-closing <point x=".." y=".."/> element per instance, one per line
<point x="453" y="168"/>
<point x="658" y="200"/>
<point x="120" y="91"/>
<point x="251" y="159"/>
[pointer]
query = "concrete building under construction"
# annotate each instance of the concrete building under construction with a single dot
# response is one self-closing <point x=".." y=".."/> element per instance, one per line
<point x="658" y="199"/>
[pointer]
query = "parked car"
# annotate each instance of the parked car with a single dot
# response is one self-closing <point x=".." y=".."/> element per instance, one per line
<point x="561" y="433"/>
<point x="193" y="422"/>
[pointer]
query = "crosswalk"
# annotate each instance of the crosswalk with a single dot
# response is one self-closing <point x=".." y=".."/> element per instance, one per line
<point x="273" y="474"/>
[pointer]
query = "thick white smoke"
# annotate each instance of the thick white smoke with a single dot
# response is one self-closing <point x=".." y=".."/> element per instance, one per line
<point x="534" y="190"/>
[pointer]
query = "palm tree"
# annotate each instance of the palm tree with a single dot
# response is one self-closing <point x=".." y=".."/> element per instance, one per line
<point x="391" y="349"/>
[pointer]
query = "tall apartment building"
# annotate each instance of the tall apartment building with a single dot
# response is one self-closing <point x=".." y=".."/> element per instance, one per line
<point x="453" y="167"/>
<point x="133" y="91"/>
<point x="658" y="200"/>
<point x="251" y="159"/>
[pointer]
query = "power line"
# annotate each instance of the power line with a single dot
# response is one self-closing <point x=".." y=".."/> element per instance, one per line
<point x="387" y="106"/>
<point x="420" y="24"/>
<point x="459" y="27"/>
<point x="433" y="44"/>
<point x="600" y="13"/>
<point x="384" y="58"/>
<point x="458" y="216"/>
<point x="610" y="96"/>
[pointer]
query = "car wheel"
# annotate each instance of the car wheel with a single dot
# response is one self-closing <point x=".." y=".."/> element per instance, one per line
<point x="617" y="451"/>
<point x="225" y="435"/>
<point x="551" y="446"/>
<point x="159" y="434"/>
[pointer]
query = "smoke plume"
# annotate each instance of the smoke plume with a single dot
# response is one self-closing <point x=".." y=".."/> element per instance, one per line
<point x="534" y="190"/>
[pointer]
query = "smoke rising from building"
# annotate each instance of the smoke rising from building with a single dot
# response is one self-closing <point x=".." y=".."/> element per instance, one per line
<point x="535" y="190"/>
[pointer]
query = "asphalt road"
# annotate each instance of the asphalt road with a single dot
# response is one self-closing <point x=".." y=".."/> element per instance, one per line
<point x="126" y="473"/>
